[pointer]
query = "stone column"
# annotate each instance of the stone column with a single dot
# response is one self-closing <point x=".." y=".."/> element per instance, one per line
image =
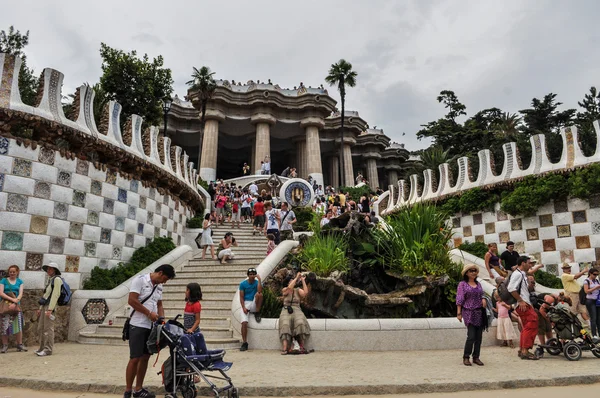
<point x="348" y="179"/>
<point x="262" y="145"/>
<point x="372" y="175"/>
<point x="314" y="168"/>
<point x="392" y="178"/>
<point x="301" y="158"/>
<point x="334" y="171"/>
<point x="210" y="146"/>
<point x="253" y="157"/>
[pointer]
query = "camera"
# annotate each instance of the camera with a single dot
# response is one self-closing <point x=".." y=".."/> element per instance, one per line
<point x="289" y="309"/>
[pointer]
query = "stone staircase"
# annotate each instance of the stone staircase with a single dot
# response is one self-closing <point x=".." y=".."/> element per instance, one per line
<point x="219" y="283"/>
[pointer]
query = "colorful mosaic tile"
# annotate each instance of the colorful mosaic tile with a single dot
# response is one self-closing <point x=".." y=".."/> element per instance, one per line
<point x="179" y="240"/>
<point x="120" y="223"/>
<point x="504" y="237"/>
<point x="566" y="256"/>
<point x="111" y="177"/>
<point x="76" y="230"/>
<point x="157" y="208"/>
<point x="490" y="228"/>
<point x="561" y="206"/>
<point x="94" y="311"/>
<point x="109" y="206"/>
<point x="93" y="217"/>
<point x="520" y="247"/>
<point x="594" y="201"/>
<point x="479" y="238"/>
<point x="116" y="253"/>
<point x="64" y="178"/>
<point x="150" y="219"/>
<point x="129" y="240"/>
<point x="148" y="241"/>
<point x="164" y="222"/>
<point x="532" y="234"/>
<point x="22" y="167"/>
<point x="152" y="193"/>
<point x="4" y="145"/>
<point x="142" y="202"/>
<point x="171" y="212"/>
<point x="516" y="224"/>
<point x="122" y="197"/>
<point x="551" y="268"/>
<point x="582" y="242"/>
<point x="12" y="240"/>
<point x="549" y="245"/>
<point x="89" y="249"/>
<point x="134" y="185"/>
<point x="131" y="212"/>
<point x="38" y="225"/>
<point x="57" y="245"/>
<point x="140" y="229"/>
<point x="502" y="216"/>
<point x="477" y="219"/>
<point x="156" y="231"/>
<point x="96" y="188"/>
<point x="597" y="249"/>
<point x="1" y="181"/>
<point x="83" y="167"/>
<point x="72" y="264"/>
<point x="16" y="203"/>
<point x="563" y="231"/>
<point x="79" y="198"/>
<point x="170" y="235"/>
<point x="46" y="155"/>
<point x="105" y="235"/>
<point x="596" y="228"/>
<point x="33" y="261"/>
<point x="579" y="216"/>
<point x="103" y="264"/>
<point x="546" y="220"/>
<point x="41" y="190"/>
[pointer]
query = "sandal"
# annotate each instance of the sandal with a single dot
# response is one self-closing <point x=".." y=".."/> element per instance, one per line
<point x="529" y="356"/>
<point x="284" y="352"/>
<point x="511" y="345"/>
<point x="504" y="344"/>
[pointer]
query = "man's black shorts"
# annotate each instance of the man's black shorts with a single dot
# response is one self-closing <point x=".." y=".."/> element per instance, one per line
<point x="246" y="211"/>
<point x="137" y="341"/>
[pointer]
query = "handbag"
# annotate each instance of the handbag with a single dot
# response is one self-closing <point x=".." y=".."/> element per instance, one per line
<point x="199" y="239"/>
<point x="125" y="333"/>
<point x="8" y="307"/>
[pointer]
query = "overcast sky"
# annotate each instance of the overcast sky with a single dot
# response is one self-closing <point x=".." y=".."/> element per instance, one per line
<point x="491" y="53"/>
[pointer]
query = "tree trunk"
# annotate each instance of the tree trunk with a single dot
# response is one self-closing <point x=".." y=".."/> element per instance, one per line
<point x="342" y="168"/>
<point x="202" y="122"/>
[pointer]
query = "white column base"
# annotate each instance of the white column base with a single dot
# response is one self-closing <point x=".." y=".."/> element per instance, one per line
<point x="208" y="174"/>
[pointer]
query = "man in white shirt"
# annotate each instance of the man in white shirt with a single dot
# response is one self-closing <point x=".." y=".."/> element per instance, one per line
<point x="267" y="166"/>
<point x="145" y="297"/>
<point x="246" y="208"/>
<point x="319" y="191"/>
<point x="288" y="218"/>
<point x="272" y="222"/>
<point x="253" y="189"/>
<point x="325" y="220"/>
<point x="518" y="287"/>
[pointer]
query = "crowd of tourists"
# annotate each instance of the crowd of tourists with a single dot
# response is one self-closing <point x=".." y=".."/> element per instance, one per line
<point x="516" y="302"/>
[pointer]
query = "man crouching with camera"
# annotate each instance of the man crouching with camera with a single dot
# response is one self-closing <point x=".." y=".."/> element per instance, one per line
<point x="251" y="300"/>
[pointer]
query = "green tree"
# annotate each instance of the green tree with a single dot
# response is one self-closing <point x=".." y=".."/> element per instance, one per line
<point x="138" y="84"/>
<point x="342" y="75"/>
<point x="508" y="126"/>
<point x="13" y="42"/>
<point x="585" y="121"/>
<point x="204" y="83"/>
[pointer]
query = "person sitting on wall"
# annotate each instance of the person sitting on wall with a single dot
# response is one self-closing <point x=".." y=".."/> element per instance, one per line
<point x="251" y="300"/>
<point x="509" y="257"/>
<point x="286" y="172"/>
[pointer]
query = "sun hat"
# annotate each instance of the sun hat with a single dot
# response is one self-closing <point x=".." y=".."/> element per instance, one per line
<point x="51" y="265"/>
<point x="468" y="267"/>
<point x="566" y="265"/>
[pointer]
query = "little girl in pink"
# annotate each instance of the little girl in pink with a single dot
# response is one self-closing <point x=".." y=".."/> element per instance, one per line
<point x="505" y="330"/>
<point x="271" y="245"/>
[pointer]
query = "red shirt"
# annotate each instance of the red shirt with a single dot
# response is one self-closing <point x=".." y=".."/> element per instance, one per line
<point x="259" y="209"/>
<point x="193" y="308"/>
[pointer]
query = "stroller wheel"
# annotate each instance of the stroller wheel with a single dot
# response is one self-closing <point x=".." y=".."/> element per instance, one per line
<point x="572" y="351"/>
<point x="596" y="352"/>
<point x="553" y="347"/>
<point x="234" y="393"/>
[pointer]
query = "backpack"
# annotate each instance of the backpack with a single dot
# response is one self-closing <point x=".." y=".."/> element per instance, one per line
<point x="503" y="292"/>
<point x="65" y="292"/>
<point x="582" y="293"/>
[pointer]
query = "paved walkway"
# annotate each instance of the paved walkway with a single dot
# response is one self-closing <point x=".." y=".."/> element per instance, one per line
<point x="94" y="368"/>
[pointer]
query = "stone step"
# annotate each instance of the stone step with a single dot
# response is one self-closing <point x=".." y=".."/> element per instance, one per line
<point x="172" y="312"/>
<point x="206" y="289"/>
<point x="225" y="280"/>
<point x="182" y="282"/>
<point x="209" y="332"/>
<point x="206" y="302"/>
<point x="206" y="266"/>
<point x="108" y="339"/>
<point x="238" y="260"/>
<point x="206" y="320"/>
<point x="205" y="295"/>
<point x="195" y="272"/>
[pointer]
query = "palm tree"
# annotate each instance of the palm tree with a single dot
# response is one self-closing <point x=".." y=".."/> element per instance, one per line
<point x="342" y="75"/>
<point x="508" y="125"/>
<point x="204" y="83"/>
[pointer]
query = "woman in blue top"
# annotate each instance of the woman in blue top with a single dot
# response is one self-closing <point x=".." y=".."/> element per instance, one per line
<point x="12" y="324"/>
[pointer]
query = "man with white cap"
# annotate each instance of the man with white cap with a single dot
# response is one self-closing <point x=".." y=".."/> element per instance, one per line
<point x="45" y="313"/>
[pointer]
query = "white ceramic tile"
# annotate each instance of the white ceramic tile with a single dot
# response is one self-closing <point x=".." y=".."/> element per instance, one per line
<point x="552" y="257"/>
<point x="65" y="164"/>
<point x="548" y="208"/>
<point x="593" y="214"/>
<point x="478" y="229"/>
<point x="141" y="216"/>
<point x="121" y="209"/>
<point x="170" y="225"/>
<point x="81" y="182"/>
<point x="133" y="199"/>
<point x="575" y="204"/>
<point x="12" y="257"/>
<point x="36" y="243"/>
<point x="61" y="194"/>
<point x="19" y="151"/>
<point x="3" y="199"/>
<point x="489" y="217"/>
<point x="503" y="226"/>
<point x="584" y="255"/>
<point x="123" y="183"/>
<point x="131" y="226"/>
<point x="126" y="253"/>
<point x="163" y="233"/>
<point x="6" y="163"/>
<point x="562" y="218"/>
<point x="150" y="205"/>
<point x="40" y="207"/>
<point x="117" y="238"/>
<point x="96" y="174"/>
<point x="581" y="229"/>
<point x="91" y="233"/>
<point x="94" y="202"/>
<point x="14" y="221"/>
<point x="139" y="241"/>
<point x="491" y="238"/>
<point x="533" y="246"/>
<point x="531" y="222"/>
<point x="86" y="264"/>
<point x="44" y="172"/>
<point x="157" y="221"/>
<point x="106" y="221"/>
<point x="59" y="259"/>
<point x="110" y="191"/>
<point x="78" y="214"/>
<point x="74" y="247"/>
<point x="103" y="251"/>
<point x="547" y="232"/>
<point x="595" y="240"/>
<point x="565" y="243"/>
<point x="16" y="184"/>
<point x="58" y="228"/>
<point x="148" y="231"/>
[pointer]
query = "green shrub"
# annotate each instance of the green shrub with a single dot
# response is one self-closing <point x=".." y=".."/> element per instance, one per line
<point x="195" y="222"/>
<point x="106" y="279"/>
<point x="271" y="306"/>
<point x="585" y="182"/>
<point x="478" y="249"/>
<point x="356" y="193"/>
<point x="323" y="254"/>
<point x="477" y="199"/>
<point x="451" y="205"/>
<point x="532" y="193"/>
<point x="304" y="216"/>
<point x="547" y="279"/>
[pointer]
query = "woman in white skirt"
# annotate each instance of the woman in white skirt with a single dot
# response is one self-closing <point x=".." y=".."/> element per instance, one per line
<point x="224" y="252"/>
<point x="236" y="210"/>
<point x="505" y="330"/>
<point x="206" y="239"/>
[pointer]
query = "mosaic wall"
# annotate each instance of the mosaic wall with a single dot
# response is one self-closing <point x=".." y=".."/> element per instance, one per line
<point x="562" y="231"/>
<point x="69" y="212"/>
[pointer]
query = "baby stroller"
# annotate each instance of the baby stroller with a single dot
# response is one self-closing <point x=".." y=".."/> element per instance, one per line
<point x="571" y="339"/>
<point x="189" y="358"/>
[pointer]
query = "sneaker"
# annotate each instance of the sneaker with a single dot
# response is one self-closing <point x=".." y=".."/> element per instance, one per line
<point x="244" y="347"/>
<point x="4" y="349"/>
<point x="257" y="317"/>
<point x="128" y="394"/>
<point x="42" y="354"/>
<point x="21" y="347"/>
<point x="143" y="393"/>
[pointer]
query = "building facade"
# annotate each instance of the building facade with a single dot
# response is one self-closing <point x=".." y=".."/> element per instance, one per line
<point x="300" y="127"/>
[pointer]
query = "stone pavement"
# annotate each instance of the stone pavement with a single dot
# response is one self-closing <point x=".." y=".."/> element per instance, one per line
<point x="94" y="368"/>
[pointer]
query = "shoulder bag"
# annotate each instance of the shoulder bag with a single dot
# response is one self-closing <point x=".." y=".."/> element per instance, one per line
<point x="8" y="307"/>
<point x="125" y="336"/>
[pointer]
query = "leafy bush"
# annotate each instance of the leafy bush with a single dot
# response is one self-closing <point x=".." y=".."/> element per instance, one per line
<point x="585" y="182"/>
<point x="356" y="193"/>
<point x="106" y="279"/>
<point x="304" y="216"/>
<point x="415" y="241"/>
<point x="195" y="222"/>
<point x="547" y="279"/>
<point x="323" y="254"/>
<point x="532" y="193"/>
<point x="271" y="306"/>
<point x="478" y="249"/>
<point x="477" y="199"/>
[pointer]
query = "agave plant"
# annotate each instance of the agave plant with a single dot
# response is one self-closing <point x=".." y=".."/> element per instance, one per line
<point x="324" y="254"/>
